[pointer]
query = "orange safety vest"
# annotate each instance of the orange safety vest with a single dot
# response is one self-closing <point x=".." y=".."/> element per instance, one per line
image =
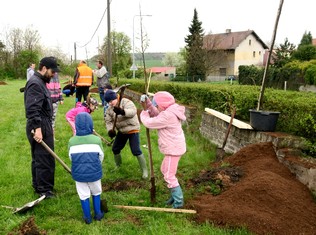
<point x="85" y="75"/>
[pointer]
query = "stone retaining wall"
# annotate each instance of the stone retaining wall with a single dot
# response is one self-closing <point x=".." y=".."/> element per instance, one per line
<point x="287" y="147"/>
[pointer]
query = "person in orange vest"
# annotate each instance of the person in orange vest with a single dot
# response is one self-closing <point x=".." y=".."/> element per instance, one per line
<point x="83" y="79"/>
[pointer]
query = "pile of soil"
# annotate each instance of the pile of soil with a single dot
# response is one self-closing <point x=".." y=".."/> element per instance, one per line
<point x="28" y="227"/>
<point x="259" y="193"/>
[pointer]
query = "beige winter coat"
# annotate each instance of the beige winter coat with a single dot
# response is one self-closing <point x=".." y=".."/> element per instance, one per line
<point x="127" y="123"/>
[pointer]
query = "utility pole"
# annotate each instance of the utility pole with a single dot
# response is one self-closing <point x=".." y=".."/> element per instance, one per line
<point x="75" y="52"/>
<point x="109" y="51"/>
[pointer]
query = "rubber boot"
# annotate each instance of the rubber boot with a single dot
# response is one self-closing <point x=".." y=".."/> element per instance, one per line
<point x="177" y="196"/>
<point x="170" y="200"/>
<point x="118" y="160"/>
<point x="98" y="214"/>
<point x="85" y="204"/>
<point x="143" y="166"/>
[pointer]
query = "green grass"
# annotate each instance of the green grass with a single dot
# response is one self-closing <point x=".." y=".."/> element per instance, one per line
<point x="63" y="214"/>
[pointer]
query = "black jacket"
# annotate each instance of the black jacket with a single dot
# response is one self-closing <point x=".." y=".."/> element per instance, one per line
<point x="37" y="102"/>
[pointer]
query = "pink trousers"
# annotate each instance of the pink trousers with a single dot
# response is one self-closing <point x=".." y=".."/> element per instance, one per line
<point x="169" y="168"/>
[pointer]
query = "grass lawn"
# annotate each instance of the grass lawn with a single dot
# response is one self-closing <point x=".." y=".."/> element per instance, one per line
<point x="63" y="215"/>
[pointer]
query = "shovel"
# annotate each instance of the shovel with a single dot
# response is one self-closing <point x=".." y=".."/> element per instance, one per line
<point x="220" y="152"/>
<point x="108" y="143"/>
<point x="26" y="207"/>
<point x="48" y="149"/>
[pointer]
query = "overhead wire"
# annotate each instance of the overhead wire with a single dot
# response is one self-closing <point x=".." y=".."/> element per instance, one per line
<point x="96" y="28"/>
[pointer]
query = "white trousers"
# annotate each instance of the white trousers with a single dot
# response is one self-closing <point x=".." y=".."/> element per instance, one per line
<point x="85" y="189"/>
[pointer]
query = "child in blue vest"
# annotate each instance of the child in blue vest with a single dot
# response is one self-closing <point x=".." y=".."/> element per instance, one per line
<point x="86" y="155"/>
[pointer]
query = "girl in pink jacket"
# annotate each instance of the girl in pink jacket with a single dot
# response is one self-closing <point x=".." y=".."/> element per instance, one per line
<point x="87" y="106"/>
<point x="167" y="118"/>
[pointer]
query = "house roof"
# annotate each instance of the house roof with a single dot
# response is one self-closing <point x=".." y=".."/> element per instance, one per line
<point x="160" y="69"/>
<point x="229" y="40"/>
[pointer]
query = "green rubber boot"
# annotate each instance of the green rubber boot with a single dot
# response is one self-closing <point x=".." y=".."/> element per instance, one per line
<point x="142" y="163"/>
<point x="118" y="160"/>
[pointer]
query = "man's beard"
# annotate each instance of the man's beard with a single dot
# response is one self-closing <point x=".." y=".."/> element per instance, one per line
<point x="46" y="77"/>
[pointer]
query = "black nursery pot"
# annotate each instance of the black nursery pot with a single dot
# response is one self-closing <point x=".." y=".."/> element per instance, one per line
<point x="263" y="120"/>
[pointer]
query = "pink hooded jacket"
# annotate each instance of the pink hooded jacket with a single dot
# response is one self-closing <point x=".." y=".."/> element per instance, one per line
<point x="171" y="140"/>
<point x="72" y="113"/>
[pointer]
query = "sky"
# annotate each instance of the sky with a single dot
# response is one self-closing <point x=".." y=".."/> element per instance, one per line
<point x="62" y="23"/>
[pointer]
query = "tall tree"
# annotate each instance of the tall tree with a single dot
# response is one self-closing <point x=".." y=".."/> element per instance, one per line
<point x="283" y="54"/>
<point x="121" y="47"/>
<point x="306" y="50"/>
<point x="306" y="39"/>
<point x="195" y="59"/>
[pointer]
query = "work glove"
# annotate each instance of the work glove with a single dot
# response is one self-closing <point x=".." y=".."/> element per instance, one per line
<point x="112" y="133"/>
<point x="118" y="111"/>
<point x="143" y="98"/>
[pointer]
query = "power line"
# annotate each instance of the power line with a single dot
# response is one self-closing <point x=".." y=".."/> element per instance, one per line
<point x="96" y="28"/>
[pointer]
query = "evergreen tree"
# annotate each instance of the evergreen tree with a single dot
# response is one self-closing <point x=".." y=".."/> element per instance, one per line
<point x="306" y="39"/>
<point x="306" y="50"/>
<point x="195" y="57"/>
<point x="283" y="54"/>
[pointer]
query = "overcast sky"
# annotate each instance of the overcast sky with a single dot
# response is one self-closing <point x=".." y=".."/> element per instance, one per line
<point x="61" y="23"/>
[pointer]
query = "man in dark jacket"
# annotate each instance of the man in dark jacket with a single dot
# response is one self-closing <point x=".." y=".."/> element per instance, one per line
<point x="39" y="112"/>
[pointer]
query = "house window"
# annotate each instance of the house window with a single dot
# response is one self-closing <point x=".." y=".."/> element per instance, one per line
<point x="253" y="54"/>
<point x="249" y="42"/>
<point x="222" y="71"/>
<point x="259" y="52"/>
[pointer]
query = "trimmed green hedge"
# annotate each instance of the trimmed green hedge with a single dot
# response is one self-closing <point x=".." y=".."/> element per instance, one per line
<point x="294" y="106"/>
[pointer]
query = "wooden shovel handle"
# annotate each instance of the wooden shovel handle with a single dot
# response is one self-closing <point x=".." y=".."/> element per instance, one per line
<point x="54" y="155"/>
<point x="118" y="105"/>
<point x="108" y="143"/>
<point x="229" y="127"/>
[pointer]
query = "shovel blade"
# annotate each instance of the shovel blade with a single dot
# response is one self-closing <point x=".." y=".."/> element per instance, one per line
<point x="28" y="205"/>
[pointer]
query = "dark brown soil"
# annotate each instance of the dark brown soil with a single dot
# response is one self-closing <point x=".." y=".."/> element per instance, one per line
<point x="94" y="90"/>
<point x="28" y="227"/>
<point x="258" y="192"/>
<point x="3" y="83"/>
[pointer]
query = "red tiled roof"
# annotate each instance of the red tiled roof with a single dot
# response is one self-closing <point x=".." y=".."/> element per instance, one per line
<point x="229" y="41"/>
<point x="160" y="69"/>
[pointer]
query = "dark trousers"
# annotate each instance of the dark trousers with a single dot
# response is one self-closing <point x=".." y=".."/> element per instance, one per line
<point x="120" y="142"/>
<point x="82" y="91"/>
<point x="43" y="164"/>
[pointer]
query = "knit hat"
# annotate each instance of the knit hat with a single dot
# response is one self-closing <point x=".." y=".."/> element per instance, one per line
<point x="109" y="95"/>
<point x="164" y="99"/>
<point x="93" y="101"/>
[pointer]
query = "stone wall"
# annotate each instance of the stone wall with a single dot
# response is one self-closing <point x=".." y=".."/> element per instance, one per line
<point x="215" y="128"/>
<point x="287" y="147"/>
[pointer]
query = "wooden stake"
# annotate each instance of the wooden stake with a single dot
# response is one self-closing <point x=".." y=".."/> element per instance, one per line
<point x="143" y="208"/>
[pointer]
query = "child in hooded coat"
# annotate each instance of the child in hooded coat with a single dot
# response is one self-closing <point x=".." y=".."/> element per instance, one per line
<point x="167" y="118"/>
<point x="87" y="106"/>
<point x="86" y="155"/>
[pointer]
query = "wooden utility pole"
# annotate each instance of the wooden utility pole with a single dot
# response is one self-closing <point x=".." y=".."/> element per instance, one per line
<point x="75" y="52"/>
<point x="109" y="51"/>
